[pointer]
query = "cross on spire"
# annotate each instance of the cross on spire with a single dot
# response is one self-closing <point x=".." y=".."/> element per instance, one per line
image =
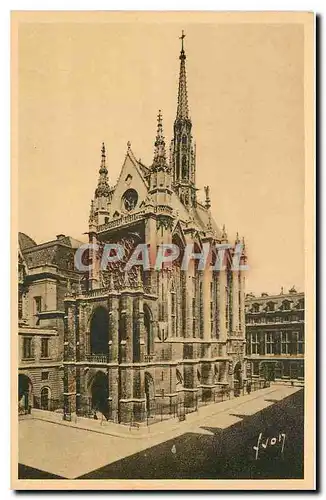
<point x="182" y="109"/>
<point x="182" y="37"/>
<point x="159" y="149"/>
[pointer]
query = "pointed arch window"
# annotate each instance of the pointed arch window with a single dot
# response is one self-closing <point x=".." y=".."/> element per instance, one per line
<point x="184" y="167"/>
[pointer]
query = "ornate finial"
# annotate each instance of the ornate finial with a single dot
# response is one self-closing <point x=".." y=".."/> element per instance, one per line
<point x="282" y="290"/>
<point x="103" y="154"/>
<point x="182" y="109"/>
<point x="224" y="234"/>
<point x="207" y="200"/>
<point x="182" y="37"/>
<point x="237" y="238"/>
<point x="243" y="253"/>
<point x="103" y="187"/>
<point x="159" y="162"/>
<point x="128" y="145"/>
<point x="91" y="213"/>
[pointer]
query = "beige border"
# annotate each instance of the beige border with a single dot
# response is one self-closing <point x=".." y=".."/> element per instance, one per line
<point x="305" y="18"/>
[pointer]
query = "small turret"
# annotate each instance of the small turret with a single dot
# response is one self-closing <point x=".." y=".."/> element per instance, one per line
<point x="103" y="187"/>
<point x="224" y="237"/>
<point x="207" y="198"/>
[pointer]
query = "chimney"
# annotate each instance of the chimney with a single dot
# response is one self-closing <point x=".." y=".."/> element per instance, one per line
<point x="60" y="236"/>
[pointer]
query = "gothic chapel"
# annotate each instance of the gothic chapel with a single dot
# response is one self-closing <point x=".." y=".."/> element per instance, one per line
<point x="144" y="342"/>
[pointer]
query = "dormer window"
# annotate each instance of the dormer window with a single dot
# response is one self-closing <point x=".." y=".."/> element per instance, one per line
<point x="270" y="306"/>
<point x="300" y="304"/>
<point x="255" y="308"/>
<point x="286" y="305"/>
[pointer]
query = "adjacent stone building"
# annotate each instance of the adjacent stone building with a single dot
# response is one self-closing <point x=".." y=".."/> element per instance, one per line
<point x="138" y="339"/>
<point x="45" y="272"/>
<point x="275" y="337"/>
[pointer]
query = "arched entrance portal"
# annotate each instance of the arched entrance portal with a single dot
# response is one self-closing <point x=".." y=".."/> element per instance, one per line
<point x="25" y="392"/>
<point x="237" y="379"/>
<point x="99" y="331"/>
<point x="149" y="394"/>
<point x="100" y="393"/>
<point x="45" y="398"/>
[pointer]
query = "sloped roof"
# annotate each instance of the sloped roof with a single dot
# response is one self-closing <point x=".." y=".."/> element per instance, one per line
<point x="59" y="252"/>
<point x="25" y="241"/>
<point x="71" y="242"/>
<point x="202" y="218"/>
<point x="278" y="300"/>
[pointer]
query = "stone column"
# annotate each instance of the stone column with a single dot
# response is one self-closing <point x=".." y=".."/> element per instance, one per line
<point x="94" y="261"/>
<point x="114" y="327"/>
<point x="138" y="316"/>
<point x="150" y="239"/>
<point x="70" y="355"/>
<point x="242" y="304"/>
<point x="114" y="390"/>
<point x="222" y="304"/>
<point x="127" y="315"/>
<point x="207" y="277"/>
<point x="235" y="302"/>
<point x="189" y="296"/>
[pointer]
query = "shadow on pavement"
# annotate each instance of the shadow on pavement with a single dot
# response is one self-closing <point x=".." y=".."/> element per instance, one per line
<point x="226" y="453"/>
<point x="26" y="472"/>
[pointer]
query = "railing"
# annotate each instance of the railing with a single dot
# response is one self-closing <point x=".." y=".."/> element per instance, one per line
<point x="163" y="208"/>
<point x="149" y="357"/>
<point x="121" y="220"/>
<point x="127" y="219"/>
<point x="97" y="292"/>
<point x="97" y="358"/>
<point x="159" y="409"/>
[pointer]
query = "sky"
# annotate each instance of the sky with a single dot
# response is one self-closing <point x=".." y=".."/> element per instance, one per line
<point x="83" y="83"/>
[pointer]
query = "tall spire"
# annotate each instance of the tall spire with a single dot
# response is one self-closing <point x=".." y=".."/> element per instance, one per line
<point x="182" y="109"/>
<point x="183" y="159"/>
<point x="159" y="162"/>
<point x="102" y="185"/>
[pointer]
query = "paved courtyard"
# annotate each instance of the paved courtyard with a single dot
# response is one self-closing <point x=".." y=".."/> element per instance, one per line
<point x="71" y="450"/>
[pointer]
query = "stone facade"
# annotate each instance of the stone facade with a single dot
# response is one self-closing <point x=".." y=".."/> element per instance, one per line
<point x="44" y="274"/>
<point x="275" y="339"/>
<point x="134" y="339"/>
